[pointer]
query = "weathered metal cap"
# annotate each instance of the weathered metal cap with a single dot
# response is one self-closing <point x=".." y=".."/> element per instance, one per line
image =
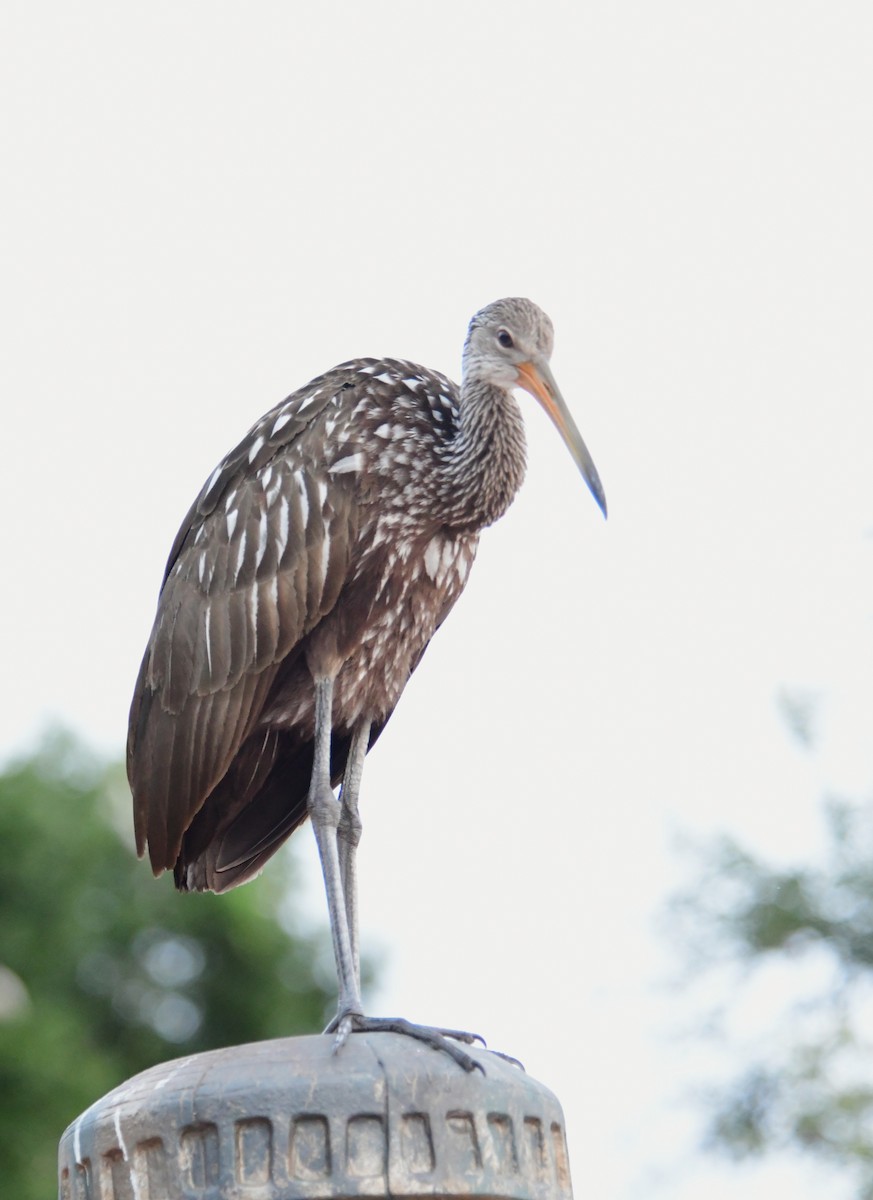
<point x="278" y="1120"/>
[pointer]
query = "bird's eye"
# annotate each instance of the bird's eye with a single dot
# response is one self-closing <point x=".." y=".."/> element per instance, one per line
<point x="505" y="339"/>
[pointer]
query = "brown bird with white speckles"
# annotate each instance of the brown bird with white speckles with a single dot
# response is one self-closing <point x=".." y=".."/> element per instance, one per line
<point x="300" y="594"/>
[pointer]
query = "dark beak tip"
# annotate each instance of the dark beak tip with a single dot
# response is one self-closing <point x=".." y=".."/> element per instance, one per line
<point x="596" y="489"/>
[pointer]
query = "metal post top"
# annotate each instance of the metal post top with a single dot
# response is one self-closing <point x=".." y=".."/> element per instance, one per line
<point x="283" y="1119"/>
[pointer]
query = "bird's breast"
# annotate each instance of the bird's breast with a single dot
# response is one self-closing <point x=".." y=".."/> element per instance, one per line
<point x="419" y="582"/>
<point x="382" y="624"/>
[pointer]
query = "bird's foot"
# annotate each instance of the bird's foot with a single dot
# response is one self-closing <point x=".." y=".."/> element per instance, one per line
<point x="439" y="1039"/>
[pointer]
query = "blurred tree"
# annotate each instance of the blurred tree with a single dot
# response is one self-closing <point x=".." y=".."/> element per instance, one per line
<point x="803" y="937"/>
<point x="105" y="971"/>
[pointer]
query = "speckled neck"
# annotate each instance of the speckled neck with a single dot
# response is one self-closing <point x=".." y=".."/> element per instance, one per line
<point x="487" y="460"/>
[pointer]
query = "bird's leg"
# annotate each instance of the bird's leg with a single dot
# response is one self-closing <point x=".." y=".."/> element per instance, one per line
<point x="338" y="830"/>
<point x="324" y="810"/>
<point x="349" y="834"/>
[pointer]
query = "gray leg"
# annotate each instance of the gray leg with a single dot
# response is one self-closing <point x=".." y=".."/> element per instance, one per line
<point x="349" y="835"/>
<point x="337" y="830"/>
<point x="324" y="810"/>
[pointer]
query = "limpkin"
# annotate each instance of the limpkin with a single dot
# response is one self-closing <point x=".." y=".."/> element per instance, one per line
<point x="300" y="594"/>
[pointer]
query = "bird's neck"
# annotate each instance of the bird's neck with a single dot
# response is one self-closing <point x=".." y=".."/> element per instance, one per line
<point x="486" y="462"/>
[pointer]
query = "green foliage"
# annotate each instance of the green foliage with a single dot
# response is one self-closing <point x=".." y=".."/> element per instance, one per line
<point x="105" y="971"/>
<point x="807" y="1082"/>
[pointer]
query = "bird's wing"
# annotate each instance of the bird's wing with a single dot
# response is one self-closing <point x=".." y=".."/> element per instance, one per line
<point x="259" y="560"/>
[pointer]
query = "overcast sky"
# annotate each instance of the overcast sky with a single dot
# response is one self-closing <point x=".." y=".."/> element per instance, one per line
<point x="204" y="205"/>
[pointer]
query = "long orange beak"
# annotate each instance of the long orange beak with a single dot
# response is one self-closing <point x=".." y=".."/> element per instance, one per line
<point x="536" y="377"/>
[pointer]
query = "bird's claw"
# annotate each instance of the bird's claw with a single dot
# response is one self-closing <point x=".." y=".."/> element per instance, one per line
<point x="513" y="1062"/>
<point x="438" y="1039"/>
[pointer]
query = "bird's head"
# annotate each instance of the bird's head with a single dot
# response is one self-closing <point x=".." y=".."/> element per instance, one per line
<point x="509" y="345"/>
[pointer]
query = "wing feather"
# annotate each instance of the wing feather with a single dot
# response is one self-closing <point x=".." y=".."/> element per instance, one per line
<point x="267" y="625"/>
<point x="261" y="561"/>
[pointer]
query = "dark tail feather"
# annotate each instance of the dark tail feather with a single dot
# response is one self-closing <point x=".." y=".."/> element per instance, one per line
<point x="255" y="808"/>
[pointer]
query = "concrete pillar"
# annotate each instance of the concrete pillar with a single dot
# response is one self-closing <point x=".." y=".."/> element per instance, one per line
<point x="289" y="1119"/>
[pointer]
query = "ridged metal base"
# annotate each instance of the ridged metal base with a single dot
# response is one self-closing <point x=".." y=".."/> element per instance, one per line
<point x="387" y="1116"/>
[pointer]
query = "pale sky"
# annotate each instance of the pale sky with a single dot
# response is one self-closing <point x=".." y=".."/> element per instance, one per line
<point x="204" y="205"/>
